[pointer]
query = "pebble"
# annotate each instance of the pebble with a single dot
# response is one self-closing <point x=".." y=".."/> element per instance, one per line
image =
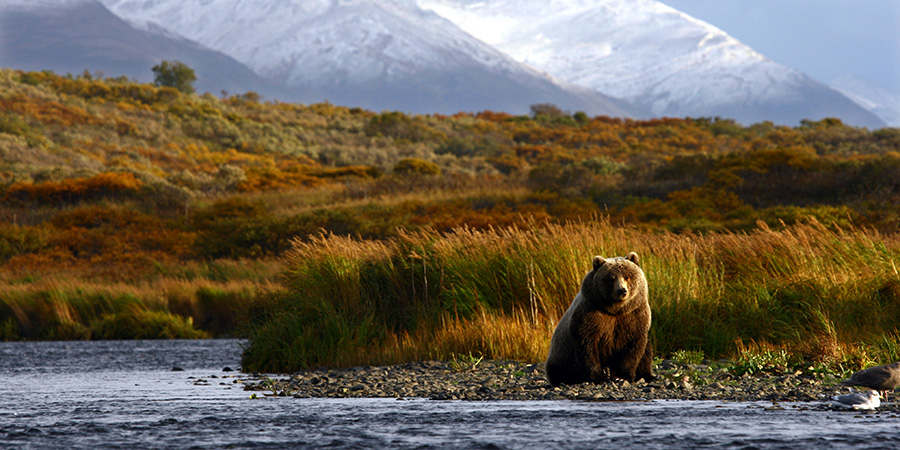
<point x="511" y="380"/>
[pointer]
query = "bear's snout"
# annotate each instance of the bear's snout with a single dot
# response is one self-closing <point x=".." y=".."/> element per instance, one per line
<point x="620" y="289"/>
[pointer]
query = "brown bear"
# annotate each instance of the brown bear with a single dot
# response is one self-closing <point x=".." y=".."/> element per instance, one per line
<point x="604" y="333"/>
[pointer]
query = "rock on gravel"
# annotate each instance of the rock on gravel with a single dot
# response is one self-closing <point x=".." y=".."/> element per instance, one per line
<point x="511" y="380"/>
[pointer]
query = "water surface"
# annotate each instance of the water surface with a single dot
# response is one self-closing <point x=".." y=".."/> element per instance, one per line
<point x="125" y="395"/>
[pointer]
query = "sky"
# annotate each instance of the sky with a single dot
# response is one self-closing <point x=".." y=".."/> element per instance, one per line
<point x="822" y="38"/>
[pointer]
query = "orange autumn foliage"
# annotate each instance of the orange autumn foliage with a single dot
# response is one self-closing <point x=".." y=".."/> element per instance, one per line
<point x="104" y="185"/>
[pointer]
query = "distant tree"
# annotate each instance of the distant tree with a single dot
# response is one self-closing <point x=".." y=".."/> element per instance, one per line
<point x="250" y="97"/>
<point x="548" y="110"/>
<point x="392" y="124"/>
<point x="174" y="74"/>
<point x="548" y="113"/>
<point x="581" y="117"/>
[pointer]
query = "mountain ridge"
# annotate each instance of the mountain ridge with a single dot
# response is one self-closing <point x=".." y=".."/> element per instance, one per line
<point x="621" y="58"/>
<point x="871" y="95"/>
<point x="82" y="35"/>
<point x="386" y="54"/>
<point x="650" y="54"/>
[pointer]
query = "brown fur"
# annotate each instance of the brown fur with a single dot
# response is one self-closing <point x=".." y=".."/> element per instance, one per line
<point x="604" y="333"/>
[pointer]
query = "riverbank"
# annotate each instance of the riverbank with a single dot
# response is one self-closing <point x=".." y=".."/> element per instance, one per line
<point x="510" y="380"/>
<point x="124" y="394"/>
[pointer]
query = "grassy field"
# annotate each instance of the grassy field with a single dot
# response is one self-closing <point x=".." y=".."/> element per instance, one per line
<point x="819" y="293"/>
<point x="182" y="301"/>
<point x="337" y="236"/>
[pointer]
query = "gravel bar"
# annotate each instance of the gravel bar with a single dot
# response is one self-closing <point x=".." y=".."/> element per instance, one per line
<point x="511" y="380"/>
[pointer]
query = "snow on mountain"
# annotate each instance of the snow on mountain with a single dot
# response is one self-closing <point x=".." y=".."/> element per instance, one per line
<point x="379" y="54"/>
<point x="649" y="54"/>
<point x="73" y="36"/>
<point x="454" y="55"/>
<point x="871" y="95"/>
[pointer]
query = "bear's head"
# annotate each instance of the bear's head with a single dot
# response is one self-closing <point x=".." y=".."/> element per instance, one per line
<point x="616" y="285"/>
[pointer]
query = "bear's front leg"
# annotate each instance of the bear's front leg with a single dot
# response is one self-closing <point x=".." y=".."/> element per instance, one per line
<point x="645" y="367"/>
<point x="632" y="360"/>
<point x="596" y="361"/>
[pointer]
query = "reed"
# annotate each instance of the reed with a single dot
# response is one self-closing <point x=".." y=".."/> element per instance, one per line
<point x="73" y="308"/>
<point x="821" y="293"/>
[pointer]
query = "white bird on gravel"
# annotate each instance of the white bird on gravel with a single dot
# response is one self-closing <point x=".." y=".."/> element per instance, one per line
<point x="884" y="378"/>
<point x="857" y="400"/>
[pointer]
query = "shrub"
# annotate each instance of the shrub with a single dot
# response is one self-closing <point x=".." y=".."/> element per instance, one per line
<point x="416" y="166"/>
<point x="547" y="111"/>
<point x="394" y="125"/>
<point x="14" y="124"/>
<point x="349" y="171"/>
<point x="16" y="240"/>
<point x="114" y="235"/>
<point x="235" y="228"/>
<point x="144" y="324"/>
<point x="569" y="180"/>
<point x="174" y="74"/>
<point x="220" y="311"/>
<point x="109" y="185"/>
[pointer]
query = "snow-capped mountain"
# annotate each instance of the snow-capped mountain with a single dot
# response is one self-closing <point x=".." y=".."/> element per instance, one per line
<point x="73" y="36"/>
<point x="379" y="54"/>
<point x="871" y="95"/>
<point x="444" y="56"/>
<point x="650" y="54"/>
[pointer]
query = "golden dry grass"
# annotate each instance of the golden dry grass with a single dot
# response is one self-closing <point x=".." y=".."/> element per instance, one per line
<point x="809" y="289"/>
<point x="60" y="305"/>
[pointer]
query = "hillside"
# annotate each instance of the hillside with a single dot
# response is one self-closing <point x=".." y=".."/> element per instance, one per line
<point x="78" y="36"/>
<point x="379" y="55"/>
<point x="129" y="210"/>
<point x="187" y="150"/>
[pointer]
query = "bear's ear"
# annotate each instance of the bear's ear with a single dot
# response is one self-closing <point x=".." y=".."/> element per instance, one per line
<point x="599" y="261"/>
<point x="633" y="257"/>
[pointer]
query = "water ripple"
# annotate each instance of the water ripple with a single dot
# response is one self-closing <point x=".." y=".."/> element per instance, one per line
<point x="125" y="396"/>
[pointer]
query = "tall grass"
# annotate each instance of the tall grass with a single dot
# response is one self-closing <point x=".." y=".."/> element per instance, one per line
<point x="74" y="308"/>
<point x="816" y="292"/>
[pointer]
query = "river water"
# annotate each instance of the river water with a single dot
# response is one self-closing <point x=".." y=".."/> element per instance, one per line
<point x="125" y="395"/>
